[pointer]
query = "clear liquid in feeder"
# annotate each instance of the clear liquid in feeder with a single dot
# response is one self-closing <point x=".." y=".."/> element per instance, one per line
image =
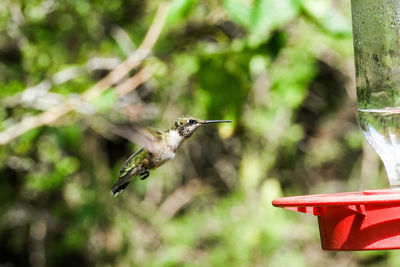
<point x="381" y="128"/>
<point x="376" y="32"/>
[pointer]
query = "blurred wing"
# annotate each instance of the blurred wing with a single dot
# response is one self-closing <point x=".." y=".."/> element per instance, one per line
<point x="148" y="139"/>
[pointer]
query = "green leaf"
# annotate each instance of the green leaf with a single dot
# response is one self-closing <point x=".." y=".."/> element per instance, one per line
<point x="261" y="17"/>
<point x="179" y="9"/>
<point x="267" y="15"/>
<point x="327" y="15"/>
<point x="105" y="102"/>
<point x="239" y="11"/>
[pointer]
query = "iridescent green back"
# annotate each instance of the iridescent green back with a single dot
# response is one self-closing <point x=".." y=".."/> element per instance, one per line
<point x="133" y="162"/>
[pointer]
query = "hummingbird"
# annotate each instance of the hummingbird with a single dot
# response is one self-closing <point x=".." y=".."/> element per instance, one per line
<point x="156" y="149"/>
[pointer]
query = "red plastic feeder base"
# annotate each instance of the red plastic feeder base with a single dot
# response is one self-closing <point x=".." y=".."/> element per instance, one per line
<point x="367" y="220"/>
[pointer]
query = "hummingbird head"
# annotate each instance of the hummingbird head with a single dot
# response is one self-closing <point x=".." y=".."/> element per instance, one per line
<point x="186" y="126"/>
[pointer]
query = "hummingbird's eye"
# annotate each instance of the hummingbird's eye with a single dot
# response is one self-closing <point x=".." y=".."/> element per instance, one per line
<point x="192" y="121"/>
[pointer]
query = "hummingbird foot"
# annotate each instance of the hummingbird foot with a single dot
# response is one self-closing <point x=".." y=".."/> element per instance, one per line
<point x="144" y="174"/>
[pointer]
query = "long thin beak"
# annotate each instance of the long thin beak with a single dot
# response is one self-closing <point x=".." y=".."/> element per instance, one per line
<point x="215" y="121"/>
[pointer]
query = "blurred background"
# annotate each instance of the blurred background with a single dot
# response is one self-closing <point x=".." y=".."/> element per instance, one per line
<point x="282" y="70"/>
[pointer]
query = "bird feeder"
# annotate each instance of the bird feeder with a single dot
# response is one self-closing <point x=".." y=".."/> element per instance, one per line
<point x="370" y="219"/>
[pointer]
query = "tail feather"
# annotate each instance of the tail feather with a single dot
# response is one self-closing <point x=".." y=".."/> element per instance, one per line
<point x="118" y="188"/>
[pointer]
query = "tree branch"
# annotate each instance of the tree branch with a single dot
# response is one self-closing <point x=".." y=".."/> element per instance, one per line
<point x="178" y="199"/>
<point x="134" y="60"/>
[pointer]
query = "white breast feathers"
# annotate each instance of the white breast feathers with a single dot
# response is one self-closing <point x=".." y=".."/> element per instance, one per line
<point x="174" y="140"/>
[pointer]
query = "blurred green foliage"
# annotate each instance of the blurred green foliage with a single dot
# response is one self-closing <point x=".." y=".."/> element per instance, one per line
<point x="281" y="69"/>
